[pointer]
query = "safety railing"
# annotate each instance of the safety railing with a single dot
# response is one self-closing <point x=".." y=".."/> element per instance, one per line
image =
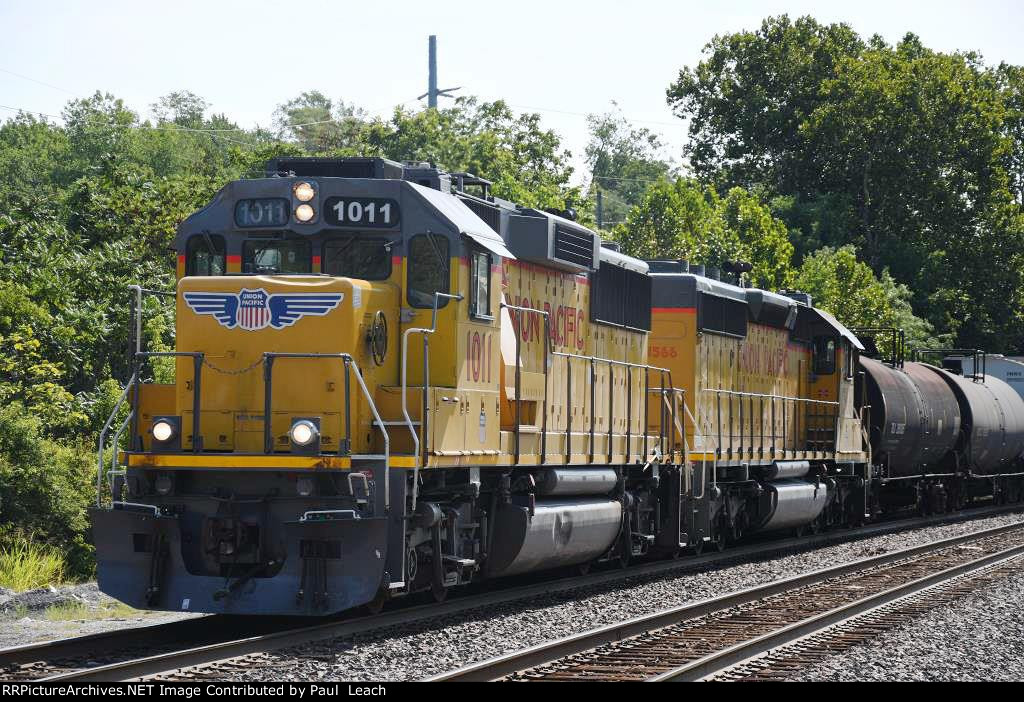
<point x="979" y="361"/>
<point x="807" y="424"/>
<point x="131" y="418"/>
<point x="351" y="369"/>
<point x="420" y="441"/>
<point x="133" y="387"/>
<point x="668" y="425"/>
<point x="105" y="431"/>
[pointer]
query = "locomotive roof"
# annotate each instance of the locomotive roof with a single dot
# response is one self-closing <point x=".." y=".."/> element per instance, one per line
<point x="675" y="289"/>
<point x="464" y="219"/>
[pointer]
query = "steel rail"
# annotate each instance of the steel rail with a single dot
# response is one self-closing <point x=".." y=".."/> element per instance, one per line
<point x="534" y="656"/>
<point x="726" y="658"/>
<point x="199" y="655"/>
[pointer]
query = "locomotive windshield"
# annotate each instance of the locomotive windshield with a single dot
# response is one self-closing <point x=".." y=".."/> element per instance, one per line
<point x="355" y="257"/>
<point x="276" y="256"/>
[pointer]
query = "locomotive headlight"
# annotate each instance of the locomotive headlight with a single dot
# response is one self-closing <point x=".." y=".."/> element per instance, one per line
<point x="162" y="430"/>
<point x="304" y="487"/>
<point x="304" y="213"/>
<point x="303" y="432"/>
<point x="303" y="191"/>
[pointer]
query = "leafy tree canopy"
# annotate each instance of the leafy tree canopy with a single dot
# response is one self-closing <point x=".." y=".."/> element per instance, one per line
<point x="912" y="155"/>
<point x="683" y="220"/>
<point x="623" y="160"/>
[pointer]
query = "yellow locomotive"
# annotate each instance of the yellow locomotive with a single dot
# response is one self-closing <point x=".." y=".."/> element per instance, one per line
<point x="389" y="381"/>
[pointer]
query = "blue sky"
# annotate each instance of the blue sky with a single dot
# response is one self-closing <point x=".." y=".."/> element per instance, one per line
<point x="562" y="59"/>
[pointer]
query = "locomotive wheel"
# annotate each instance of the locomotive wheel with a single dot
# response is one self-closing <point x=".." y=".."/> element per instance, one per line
<point x="375" y="605"/>
<point x="438" y="592"/>
<point x="698" y="547"/>
<point x="719" y="541"/>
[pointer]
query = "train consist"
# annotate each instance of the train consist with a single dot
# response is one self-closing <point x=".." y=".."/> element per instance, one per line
<point x="389" y="381"/>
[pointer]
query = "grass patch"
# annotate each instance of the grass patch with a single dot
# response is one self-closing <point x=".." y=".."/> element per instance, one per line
<point x="79" y="611"/>
<point x="25" y="565"/>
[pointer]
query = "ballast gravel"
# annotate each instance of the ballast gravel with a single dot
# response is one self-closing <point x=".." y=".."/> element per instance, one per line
<point x="976" y="638"/>
<point x="26" y="617"/>
<point x="428" y="647"/>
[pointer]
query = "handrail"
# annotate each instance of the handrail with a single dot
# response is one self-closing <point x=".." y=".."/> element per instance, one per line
<point x="137" y="311"/>
<point x="770" y="395"/>
<point x="438" y="296"/>
<point x="103" y="435"/>
<point x="116" y="442"/>
<point x="133" y="382"/>
<point x="591" y="360"/>
<point x="809" y="418"/>
<point x="268" y="361"/>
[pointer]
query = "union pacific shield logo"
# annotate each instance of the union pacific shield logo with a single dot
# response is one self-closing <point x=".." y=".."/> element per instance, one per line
<point x="257" y="309"/>
<point x="253" y="312"/>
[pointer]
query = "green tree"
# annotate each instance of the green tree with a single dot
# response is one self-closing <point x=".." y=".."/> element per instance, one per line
<point x="526" y="163"/>
<point x="845" y="286"/>
<point x="684" y="220"/>
<point x="183" y="108"/>
<point x="746" y="101"/>
<point x="623" y="160"/>
<point x="45" y="488"/>
<point x="313" y="121"/>
<point x="909" y="154"/>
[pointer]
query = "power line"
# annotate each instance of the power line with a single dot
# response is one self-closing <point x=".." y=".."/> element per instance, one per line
<point x="40" y="82"/>
<point x="637" y="180"/>
<point x="587" y="114"/>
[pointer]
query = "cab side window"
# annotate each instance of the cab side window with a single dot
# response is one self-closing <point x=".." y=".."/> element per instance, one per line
<point x="480" y="285"/>
<point x="824" y="355"/>
<point x="428" y="270"/>
<point x="205" y="255"/>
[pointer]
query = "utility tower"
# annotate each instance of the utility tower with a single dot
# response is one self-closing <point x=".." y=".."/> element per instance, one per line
<point x="432" y="92"/>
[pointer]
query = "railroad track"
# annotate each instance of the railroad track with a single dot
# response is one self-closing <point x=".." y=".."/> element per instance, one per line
<point x="211" y="642"/>
<point x="65" y="656"/>
<point x="786" y="661"/>
<point x="790" y="620"/>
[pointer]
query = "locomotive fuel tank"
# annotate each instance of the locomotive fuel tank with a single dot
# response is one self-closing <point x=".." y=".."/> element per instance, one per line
<point x="792" y="503"/>
<point x="993" y="418"/>
<point x="915" y="421"/>
<point x="561" y="532"/>
<point x="559" y="482"/>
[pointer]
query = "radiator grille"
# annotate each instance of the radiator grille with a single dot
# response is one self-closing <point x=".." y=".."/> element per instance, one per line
<point x="574" y="246"/>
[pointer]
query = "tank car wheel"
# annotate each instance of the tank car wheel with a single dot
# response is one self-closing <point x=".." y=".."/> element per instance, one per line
<point x="800" y="531"/>
<point x="583" y="568"/>
<point x="698" y="546"/>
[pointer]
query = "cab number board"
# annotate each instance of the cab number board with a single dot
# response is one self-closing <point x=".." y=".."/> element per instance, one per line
<point x="361" y="212"/>
<point x="261" y="212"/>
